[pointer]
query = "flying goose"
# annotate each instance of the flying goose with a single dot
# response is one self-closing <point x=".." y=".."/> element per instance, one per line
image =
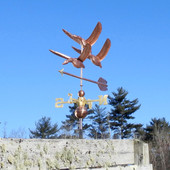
<point x="77" y="62"/>
<point x="100" y="56"/>
<point x="91" y="40"/>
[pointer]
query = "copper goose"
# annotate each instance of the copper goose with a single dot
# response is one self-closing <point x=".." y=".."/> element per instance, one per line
<point x="100" y="56"/>
<point x="91" y="40"/>
<point x="77" y="62"/>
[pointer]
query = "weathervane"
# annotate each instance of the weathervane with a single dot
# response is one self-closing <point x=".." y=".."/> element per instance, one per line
<point x="85" y="52"/>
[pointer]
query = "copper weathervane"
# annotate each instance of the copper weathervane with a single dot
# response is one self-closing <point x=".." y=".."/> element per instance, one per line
<point x="85" y="52"/>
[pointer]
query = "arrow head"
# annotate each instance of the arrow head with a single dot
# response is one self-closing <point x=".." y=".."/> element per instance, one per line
<point x="61" y="71"/>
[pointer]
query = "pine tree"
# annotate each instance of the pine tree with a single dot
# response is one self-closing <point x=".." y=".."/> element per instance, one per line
<point x="44" y="129"/>
<point x="157" y="135"/>
<point x="70" y="125"/>
<point x="99" y="127"/>
<point x="122" y="112"/>
<point x="156" y="126"/>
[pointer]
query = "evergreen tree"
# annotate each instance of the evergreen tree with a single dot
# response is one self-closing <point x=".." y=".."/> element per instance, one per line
<point x="157" y="135"/>
<point x="122" y="112"/>
<point x="44" y="129"/>
<point x="156" y="126"/>
<point x="99" y="128"/>
<point x="70" y="126"/>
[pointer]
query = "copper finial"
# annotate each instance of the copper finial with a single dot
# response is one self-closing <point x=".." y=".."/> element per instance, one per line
<point x="81" y="93"/>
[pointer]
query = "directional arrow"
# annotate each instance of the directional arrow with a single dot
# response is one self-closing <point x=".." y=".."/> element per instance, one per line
<point x="102" y="83"/>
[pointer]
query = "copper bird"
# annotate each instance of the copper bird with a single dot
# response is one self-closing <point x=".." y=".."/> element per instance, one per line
<point x="91" y="40"/>
<point x="100" y="56"/>
<point x="77" y="62"/>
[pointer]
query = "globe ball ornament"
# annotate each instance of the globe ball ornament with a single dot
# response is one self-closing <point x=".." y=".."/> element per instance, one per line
<point x="81" y="112"/>
<point x="81" y="93"/>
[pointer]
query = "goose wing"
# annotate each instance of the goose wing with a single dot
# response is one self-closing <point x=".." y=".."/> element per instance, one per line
<point x="103" y="52"/>
<point x="95" y="34"/>
<point x="60" y="54"/>
<point x="85" y="53"/>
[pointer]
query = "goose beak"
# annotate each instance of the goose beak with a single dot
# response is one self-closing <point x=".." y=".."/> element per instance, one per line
<point x="65" y="62"/>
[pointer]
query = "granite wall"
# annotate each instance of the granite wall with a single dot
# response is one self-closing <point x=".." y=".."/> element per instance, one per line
<point x="39" y="154"/>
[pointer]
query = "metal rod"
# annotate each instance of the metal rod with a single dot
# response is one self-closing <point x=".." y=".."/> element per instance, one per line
<point x="81" y="76"/>
<point x="81" y="72"/>
<point x="81" y="85"/>
<point x="80" y="129"/>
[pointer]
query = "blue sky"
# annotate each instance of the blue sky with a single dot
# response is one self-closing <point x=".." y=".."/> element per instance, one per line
<point x="138" y="60"/>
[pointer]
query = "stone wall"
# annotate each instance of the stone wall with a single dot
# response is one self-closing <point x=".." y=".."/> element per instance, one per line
<point x="38" y="154"/>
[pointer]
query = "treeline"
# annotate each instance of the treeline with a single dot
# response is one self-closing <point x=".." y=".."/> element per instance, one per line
<point x="113" y="124"/>
<point x="99" y="123"/>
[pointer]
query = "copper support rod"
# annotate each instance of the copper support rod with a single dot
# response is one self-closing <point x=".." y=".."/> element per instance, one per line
<point x="81" y="72"/>
<point x="81" y="76"/>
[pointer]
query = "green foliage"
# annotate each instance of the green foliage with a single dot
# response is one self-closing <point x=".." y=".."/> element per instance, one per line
<point x="99" y="128"/>
<point x="44" y="129"/>
<point x="71" y="120"/>
<point x="156" y="126"/>
<point x="157" y="135"/>
<point x="122" y="112"/>
<point x="70" y="125"/>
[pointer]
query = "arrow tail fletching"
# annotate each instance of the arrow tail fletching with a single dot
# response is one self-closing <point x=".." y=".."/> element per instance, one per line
<point x="102" y="88"/>
<point x="102" y="83"/>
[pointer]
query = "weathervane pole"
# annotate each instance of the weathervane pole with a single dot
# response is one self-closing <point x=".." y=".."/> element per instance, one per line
<point x="81" y="85"/>
<point x="81" y="81"/>
<point x="81" y="73"/>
